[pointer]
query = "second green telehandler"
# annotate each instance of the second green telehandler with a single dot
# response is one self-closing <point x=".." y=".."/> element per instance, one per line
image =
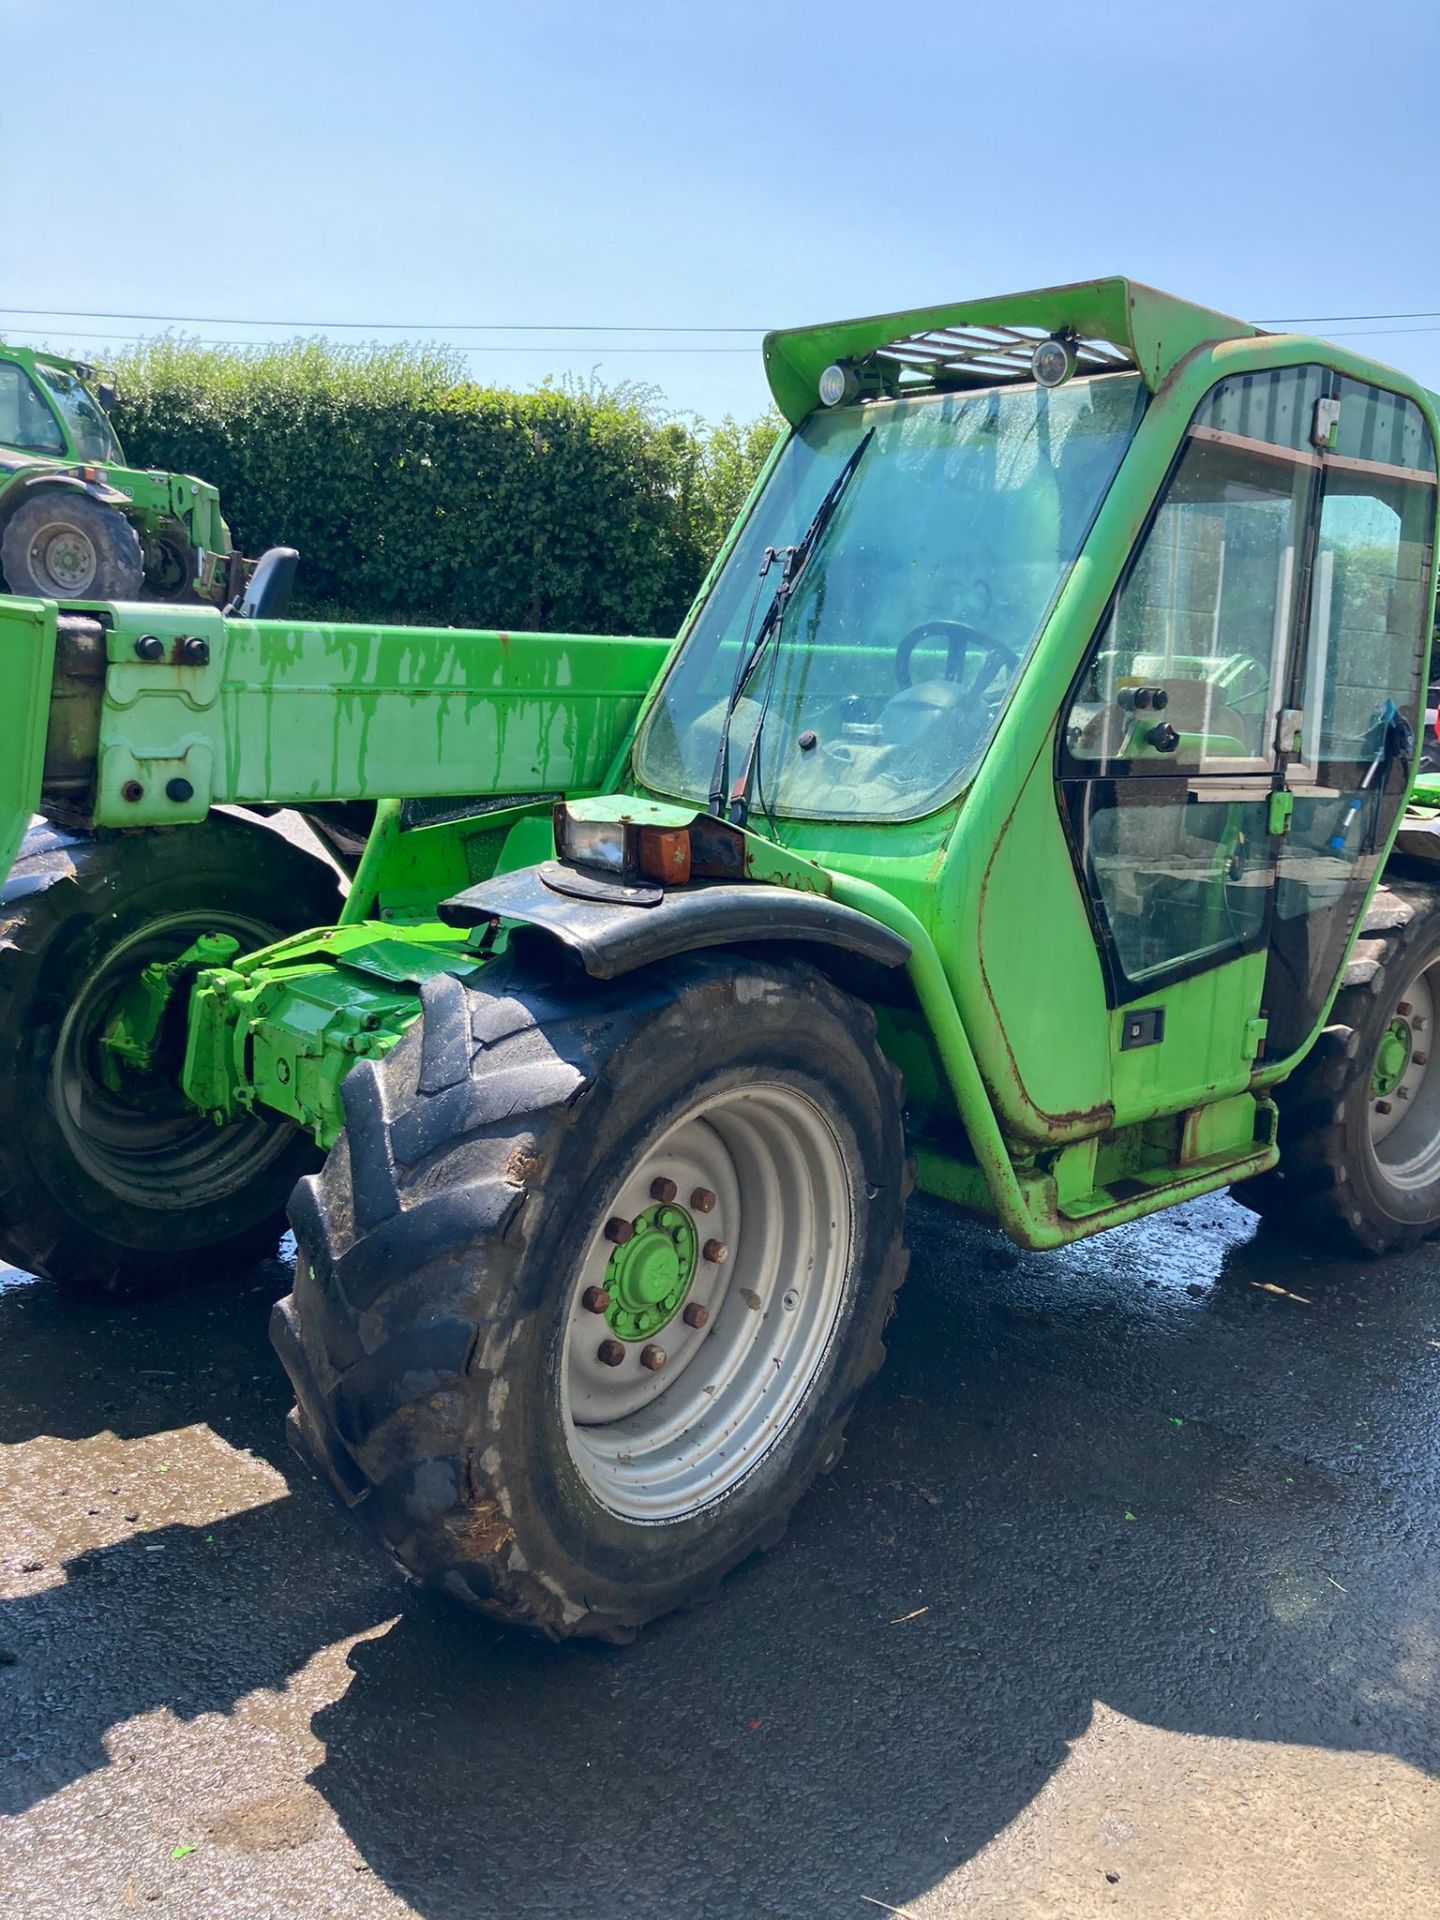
<point x="1027" y="811"/>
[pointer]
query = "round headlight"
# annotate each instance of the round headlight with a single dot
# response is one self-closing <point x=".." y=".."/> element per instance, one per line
<point x="834" y="385"/>
<point x="1053" y="361"/>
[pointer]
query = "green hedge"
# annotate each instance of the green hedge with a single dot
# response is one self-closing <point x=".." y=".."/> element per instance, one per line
<point x="414" y="495"/>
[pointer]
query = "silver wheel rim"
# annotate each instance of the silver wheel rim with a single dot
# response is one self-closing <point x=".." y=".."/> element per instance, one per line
<point x="660" y="1446"/>
<point x="64" y="555"/>
<point x="1405" y="1107"/>
<point x="173" y="1157"/>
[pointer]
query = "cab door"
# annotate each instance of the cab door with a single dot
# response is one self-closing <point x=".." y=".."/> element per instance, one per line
<point x="1170" y="774"/>
<point x="1237" y="747"/>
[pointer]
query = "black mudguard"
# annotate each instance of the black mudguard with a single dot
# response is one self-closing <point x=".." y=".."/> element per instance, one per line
<point x="612" y="928"/>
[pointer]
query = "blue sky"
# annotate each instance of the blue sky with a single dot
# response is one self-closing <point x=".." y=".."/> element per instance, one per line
<point x="733" y="165"/>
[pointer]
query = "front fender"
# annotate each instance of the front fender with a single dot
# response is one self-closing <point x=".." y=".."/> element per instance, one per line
<point x="611" y="934"/>
<point x="108" y="496"/>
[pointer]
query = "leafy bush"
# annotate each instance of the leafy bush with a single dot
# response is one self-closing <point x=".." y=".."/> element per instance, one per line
<point x="415" y="495"/>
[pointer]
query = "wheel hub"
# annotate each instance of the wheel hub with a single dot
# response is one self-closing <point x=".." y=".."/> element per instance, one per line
<point x="1393" y="1058"/>
<point x="720" y="1262"/>
<point x="67" y="556"/>
<point x="648" y="1277"/>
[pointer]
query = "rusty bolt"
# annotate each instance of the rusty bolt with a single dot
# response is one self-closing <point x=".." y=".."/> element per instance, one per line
<point x="610" y="1353"/>
<point x="663" y="1190"/>
<point x="1403" y="1009"/>
<point x="702" y="1200"/>
<point x="1382" y="1106"/>
<point x="652" y="1358"/>
<point x="715" y="1251"/>
<point x="132" y="791"/>
<point x="618" y="1231"/>
<point x="695" y="1315"/>
<point x="595" y="1299"/>
<point x="1418" y="1059"/>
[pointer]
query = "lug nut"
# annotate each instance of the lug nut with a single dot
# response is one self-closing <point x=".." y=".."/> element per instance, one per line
<point x="1402" y="1093"/>
<point x="595" y="1300"/>
<point x="618" y="1231"/>
<point x="1419" y="1059"/>
<point x="663" y="1190"/>
<point x="1382" y="1106"/>
<point x="702" y="1200"/>
<point x="716" y="1252"/>
<point x="652" y="1358"/>
<point x="1403" y="1009"/>
<point x="695" y="1315"/>
<point x="610" y="1353"/>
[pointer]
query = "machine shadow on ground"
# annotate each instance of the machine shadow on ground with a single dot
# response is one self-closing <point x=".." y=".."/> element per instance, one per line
<point x="1180" y="1470"/>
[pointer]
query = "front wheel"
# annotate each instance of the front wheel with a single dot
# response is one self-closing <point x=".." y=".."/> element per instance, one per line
<point x="62" y="545"/>
<point x="588" y="1287"/>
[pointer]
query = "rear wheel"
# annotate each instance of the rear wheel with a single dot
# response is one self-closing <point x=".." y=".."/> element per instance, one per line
<point x="1360" y="1119"/>
<point x="62" y="545"/>
<point x="170" y="566"/>
<point x="588" y="1287"/>
<point x="125" y="1191"/>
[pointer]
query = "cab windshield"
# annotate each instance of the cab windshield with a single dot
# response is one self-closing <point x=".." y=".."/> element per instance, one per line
<point x="89" y="429"/>
<point x="913" y="615"/>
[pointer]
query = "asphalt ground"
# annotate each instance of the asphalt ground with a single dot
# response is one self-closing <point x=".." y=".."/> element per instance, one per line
<point x="1124" y="1598"/>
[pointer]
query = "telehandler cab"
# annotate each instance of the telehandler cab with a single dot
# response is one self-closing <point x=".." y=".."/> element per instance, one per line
<point x="1010" y="817"/>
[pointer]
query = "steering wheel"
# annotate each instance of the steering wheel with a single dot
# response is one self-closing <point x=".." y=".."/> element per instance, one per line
<point x="960" y="637"/>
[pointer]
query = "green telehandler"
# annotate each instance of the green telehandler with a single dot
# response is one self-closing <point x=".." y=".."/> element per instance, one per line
<point x="1027" y="811"/>
<point x="77" y="521"/>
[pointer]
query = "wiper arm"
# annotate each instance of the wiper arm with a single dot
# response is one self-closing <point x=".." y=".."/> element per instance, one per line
<point x="792" y="562"/>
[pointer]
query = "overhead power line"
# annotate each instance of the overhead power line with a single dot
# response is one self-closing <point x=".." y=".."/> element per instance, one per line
<point x="1326" y="319"/>
<point x="374" y="326"/>
<point x="559" y="347"/>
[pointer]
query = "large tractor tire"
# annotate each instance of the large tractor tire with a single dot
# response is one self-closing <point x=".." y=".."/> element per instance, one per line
<point x="118" y="1196"/>
<point x="170" y="566"/>
<point x="62" y="545"/>
<point x="588" y="1287"/>
<point x="1360" y="1118"/>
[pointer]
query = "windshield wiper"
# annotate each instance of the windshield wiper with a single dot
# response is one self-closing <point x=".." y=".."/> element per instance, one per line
<point x="791" y="561"/>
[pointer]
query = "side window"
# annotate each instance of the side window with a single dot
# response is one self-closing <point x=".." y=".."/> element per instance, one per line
<point x="1364" y="643"/>
<point x="25" y="420"/>
<point x="1365" y="649"/>
<point x="1189" y="664"/>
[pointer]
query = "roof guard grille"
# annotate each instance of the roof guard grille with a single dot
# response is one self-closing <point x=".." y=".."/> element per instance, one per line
<point x="971" y="355"/>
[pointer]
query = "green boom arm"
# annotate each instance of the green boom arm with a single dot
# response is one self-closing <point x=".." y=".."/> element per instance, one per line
<point x="172" y="710"/>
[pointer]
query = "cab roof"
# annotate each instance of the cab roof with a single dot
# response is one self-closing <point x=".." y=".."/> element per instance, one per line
<point x="31" y="356"/>
<point x="1117" y="324"/>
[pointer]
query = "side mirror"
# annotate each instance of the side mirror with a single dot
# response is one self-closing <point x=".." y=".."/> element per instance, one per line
<point x="107" y="395"/>
<point x="267" y="597"/>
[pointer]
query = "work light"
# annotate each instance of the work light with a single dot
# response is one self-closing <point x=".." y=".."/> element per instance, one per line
<point x="1053" y="361"/>
<point x="835" y="384"/>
